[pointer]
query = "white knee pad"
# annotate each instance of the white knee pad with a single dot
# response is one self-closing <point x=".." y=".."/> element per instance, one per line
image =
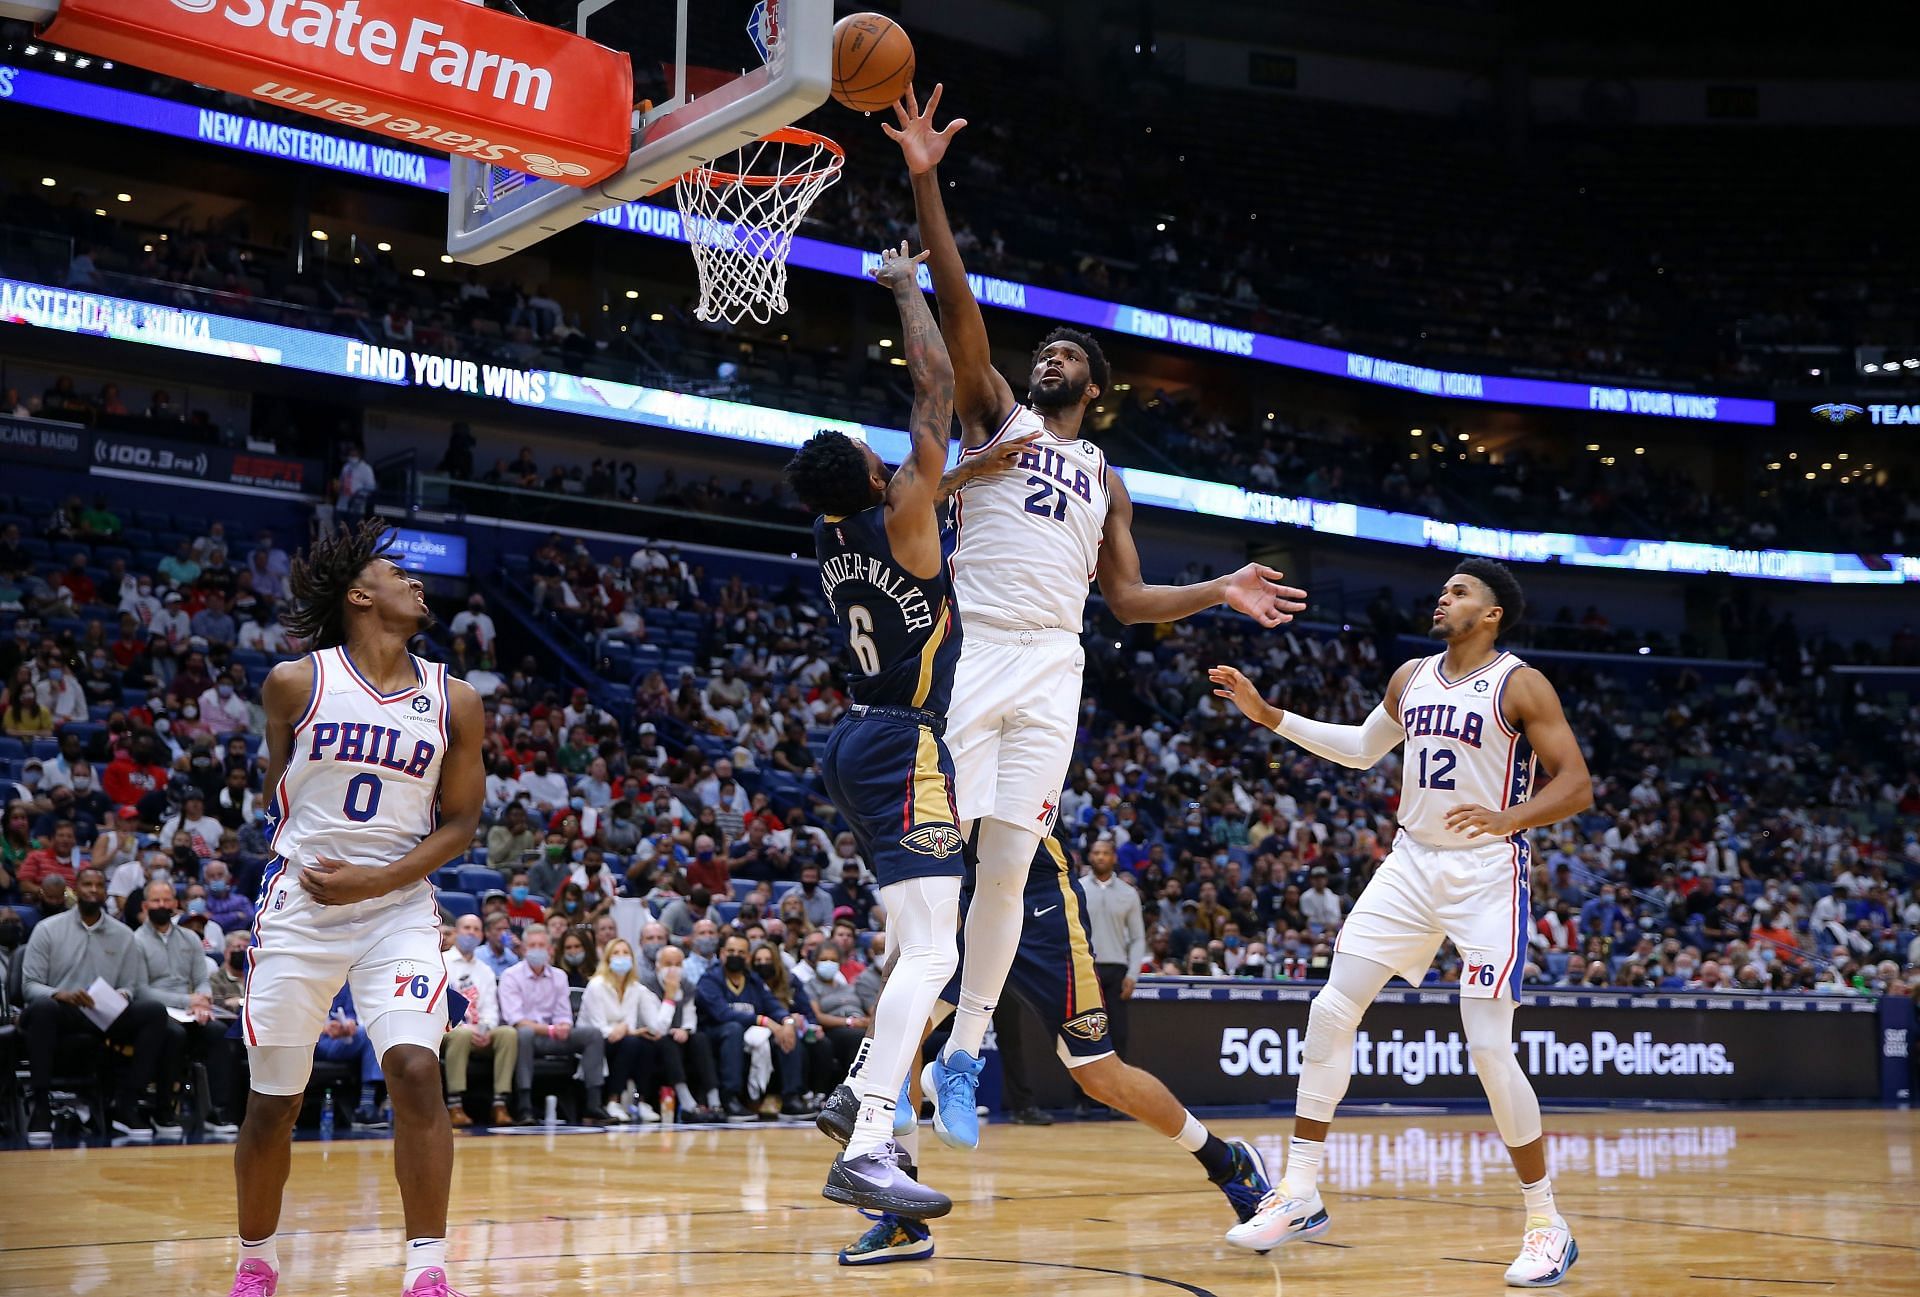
<point x="279" y="1069"/>
<point x="1516" y="1109"/>
<point x="1332" y="1020"/>
<point x="407" y="1027"/>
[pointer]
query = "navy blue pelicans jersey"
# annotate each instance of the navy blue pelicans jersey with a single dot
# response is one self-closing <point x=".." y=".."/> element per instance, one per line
<point x="903" y="632"/>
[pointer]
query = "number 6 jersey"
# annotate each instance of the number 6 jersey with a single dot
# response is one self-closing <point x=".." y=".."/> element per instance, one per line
<point x="1027" y="538"/>
<point x="1459" y="749"/>
<point x="362" y="782"/>
<point x="903" y="632"/>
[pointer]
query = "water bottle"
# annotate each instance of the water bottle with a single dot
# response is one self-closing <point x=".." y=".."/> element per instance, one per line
<point x="553" y="1111"/>
<point x="326" y="1114"/>
<point x="669" y="1106"/>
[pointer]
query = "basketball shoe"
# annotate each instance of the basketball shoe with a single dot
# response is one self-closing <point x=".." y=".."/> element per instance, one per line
<point x="954" y="1083"/>
<point x="892" y="1238"/>
<point x="1246" y="1186"/>
<point x="254" y="1279"/>
<point x="881" y="1181"/>
<point x="842" y="1110"/>
<point x="1279" y="1219"/>
<point x="433" y="1283"/>
<point x="1546" y="1255"/>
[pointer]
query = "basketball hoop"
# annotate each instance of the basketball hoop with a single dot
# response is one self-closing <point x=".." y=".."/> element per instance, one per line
<point x="741" y="221"/>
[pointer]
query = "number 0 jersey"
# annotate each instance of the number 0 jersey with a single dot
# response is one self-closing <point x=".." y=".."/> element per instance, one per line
<point x="362" y="783"/>
<point x="1459" y="749"/>
<point x="1027" y="538"/>
<point x="903" y="631"/>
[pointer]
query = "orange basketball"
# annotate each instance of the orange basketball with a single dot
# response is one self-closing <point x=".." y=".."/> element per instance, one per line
<point x="872" y="62"/>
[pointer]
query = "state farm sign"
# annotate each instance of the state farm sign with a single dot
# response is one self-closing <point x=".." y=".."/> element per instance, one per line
<point x="443" y="73"/>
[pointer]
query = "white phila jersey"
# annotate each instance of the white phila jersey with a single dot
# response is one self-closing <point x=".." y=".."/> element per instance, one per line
<point x="1027" y="539"/>
<point x="362" y="783"/>
<point x="1460" y="749"/>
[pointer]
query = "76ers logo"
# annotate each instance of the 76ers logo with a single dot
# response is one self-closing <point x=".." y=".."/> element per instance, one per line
<point x="415" y="985"/>
<point x="1479" y="975"/>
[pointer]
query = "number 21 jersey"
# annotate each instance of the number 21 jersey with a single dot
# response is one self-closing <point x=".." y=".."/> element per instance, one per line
<point x="1027" y="538"/>
<point x="363" y="780"/>
<point x="1460" y="749"/>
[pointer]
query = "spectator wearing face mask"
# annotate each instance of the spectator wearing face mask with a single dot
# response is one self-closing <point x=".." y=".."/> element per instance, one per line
<point x="177" y="974"/>
<point x="611" y="1005"/>
<point x="225" y="906"/>
<point x="682" y="914"/>
<point x="499" y="953"/>
<point x="134" y="772"/>
<point x="224" y="710"/>
<point x="799" y="1095"/>
<point x="841" y="1015"/>
<point x="479" y="1032"/>
<point x="130" y="875"/>
<point x="734" y="1001"/>
<point x="521" y="904"/>
<point x="709" y="869"/>
<point x="669" y="1009"/>
<point x="535" y="999"/>
<point x="202" y="829"/>
<point x="63" y="696"/>
<point x="579" y="959"/>
<point x="545" y="787"/>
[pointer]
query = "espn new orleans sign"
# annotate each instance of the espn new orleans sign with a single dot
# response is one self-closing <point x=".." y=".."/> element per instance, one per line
<point x="445" y="74"/>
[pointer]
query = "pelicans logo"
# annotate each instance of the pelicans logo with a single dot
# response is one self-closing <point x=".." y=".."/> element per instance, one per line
<point x="1091" y="1025"/>
<point x="936" y="840"/>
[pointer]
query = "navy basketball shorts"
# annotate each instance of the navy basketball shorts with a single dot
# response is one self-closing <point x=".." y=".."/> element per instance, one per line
<point x="1053" y="971"/>
<point x="889" y="775"/>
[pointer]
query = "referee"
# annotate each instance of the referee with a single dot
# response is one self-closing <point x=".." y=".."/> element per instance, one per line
<point x="1119" y="936"/>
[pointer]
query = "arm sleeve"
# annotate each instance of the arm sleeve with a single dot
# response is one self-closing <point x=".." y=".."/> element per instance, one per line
<point x="1356" y="746"/>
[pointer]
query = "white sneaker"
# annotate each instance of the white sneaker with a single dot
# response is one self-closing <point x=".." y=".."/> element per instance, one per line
<point x="617" y="1111"/>
<point x="1545" y="1256"/>
<point x="1279" y="1219"/>
<point x="644" y="1111"/>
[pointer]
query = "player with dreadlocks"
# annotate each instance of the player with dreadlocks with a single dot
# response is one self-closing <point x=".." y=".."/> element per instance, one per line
<point x="373" y="756"/>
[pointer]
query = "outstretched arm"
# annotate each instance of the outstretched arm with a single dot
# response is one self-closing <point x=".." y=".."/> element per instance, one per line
<point x="1355" y="746"/>
<point x="1253" y="590"/>
<point x="981" y="396"/>
<point x="913" y="529"/>
<point x="1533" y="708"/>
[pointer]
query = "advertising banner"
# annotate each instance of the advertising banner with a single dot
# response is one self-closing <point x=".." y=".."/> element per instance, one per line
<point x="442" y="74"/>
<point x="1219" y="1043"/>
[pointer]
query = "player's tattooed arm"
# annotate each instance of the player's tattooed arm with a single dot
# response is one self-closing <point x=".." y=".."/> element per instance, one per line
<point x="1533" y="708"/>
<point x="913" y="526"/>
<point x="981" y="395"/>
<point x="1254" y="590"/>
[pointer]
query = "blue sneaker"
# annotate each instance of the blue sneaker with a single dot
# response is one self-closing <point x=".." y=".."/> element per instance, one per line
<point x="1247" y="1185"/>
<point x="905" y="1115"/>
<point x="954" y="1083"/>
<point x="892" y="1238"/>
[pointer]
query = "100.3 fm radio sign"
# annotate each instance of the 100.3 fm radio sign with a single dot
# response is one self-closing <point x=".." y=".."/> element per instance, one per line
<point x="64" y="445"/>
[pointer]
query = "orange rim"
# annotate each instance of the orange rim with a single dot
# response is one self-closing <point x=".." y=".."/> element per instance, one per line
<point x="785" y="135"/>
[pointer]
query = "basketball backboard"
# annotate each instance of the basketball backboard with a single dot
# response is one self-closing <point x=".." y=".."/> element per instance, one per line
<point x="705" y="89"/>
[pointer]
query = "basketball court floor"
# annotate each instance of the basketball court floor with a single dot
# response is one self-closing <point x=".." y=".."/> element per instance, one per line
<point x="1714" y="1204"/>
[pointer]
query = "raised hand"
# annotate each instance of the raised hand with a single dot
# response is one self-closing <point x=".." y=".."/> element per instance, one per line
<point x="1230" y="684"/>
<point x="919" y="142"/>
<point x="898" y="267"/>
<point x="1256" y="591"/>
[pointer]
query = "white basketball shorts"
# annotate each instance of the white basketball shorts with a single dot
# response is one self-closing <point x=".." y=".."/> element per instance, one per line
<point x="387" y="949"/>
<point x="1475" y="897"/>
<point x="1011" y="724"/>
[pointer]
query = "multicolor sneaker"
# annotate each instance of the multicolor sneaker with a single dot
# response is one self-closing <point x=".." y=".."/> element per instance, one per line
<point x="1546" y="1254"/>
<point x="954" y="1083"/>
<point x="878" y="1181"/>
<point x="433" y="1283"/>
<point x="254" y="1279"/>
<point x="892" y="1238"/>
<point x="1279" y="1219"/>
<point x="1246" y="1187"/>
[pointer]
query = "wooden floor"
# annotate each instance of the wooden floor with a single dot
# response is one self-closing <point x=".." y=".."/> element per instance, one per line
<point x="1705" y="1204"/>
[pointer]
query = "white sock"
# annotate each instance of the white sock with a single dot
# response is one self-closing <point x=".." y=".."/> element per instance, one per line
<point x="422" y="1255"/>
<point x="685" y="1098"/>
<point x="267" y="1250"/>
<point x="1539" y="1196"/>
<point x="1302" y="1176"/>
<point x="860" y="1059"/>
<point x="1192" y="1136"/>
<point x="994" y="918"/>
<point x="923" y="918"/>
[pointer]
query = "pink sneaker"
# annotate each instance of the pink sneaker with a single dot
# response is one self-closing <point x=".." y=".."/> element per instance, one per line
<point x="254" y="1279"/>
<point x="431" y="1284"/>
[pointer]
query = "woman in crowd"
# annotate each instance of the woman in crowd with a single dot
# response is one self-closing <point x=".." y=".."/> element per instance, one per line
<point x="611" y="1005"/>
<point x="816" y="1052"/>
<point x="577" y="957"/>
<point x="24" y="717"/>
<point x="569" y="906"/>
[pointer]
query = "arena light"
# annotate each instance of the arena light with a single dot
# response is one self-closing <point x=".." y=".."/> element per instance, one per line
<point x="384" y="247"/>
<point x="656" y="317"/>
<point x="125" y="198"/>
<point x="1911" y="364"/>
<point x="886" y="342"/>
<point x="1811" y="476"/>
<point x="48" y="181"/>
<point x="1593" y="445"/>
<point x="83" y="62"/>
<point x="633" y="294"/>
<point x="31" y="50"/>
<point x="1461" y="437"/>
<point x="1827" y="467"/>
<point x="99" y="211"/>
<point x="319" y="236"/>
<point x="59" y="56"/>
<point x="1639" y="450"/>
<point x="1813" y="373"/>
<point x="1413" y="432"/>
<point x="419" y="273"/>
<point x="1869" y="368"/>
<point x="1161" y="226"/>
<point x="446" y="259"/>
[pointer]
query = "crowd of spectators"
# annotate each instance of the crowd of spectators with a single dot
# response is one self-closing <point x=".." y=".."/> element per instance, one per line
<point x="659" y="843"/>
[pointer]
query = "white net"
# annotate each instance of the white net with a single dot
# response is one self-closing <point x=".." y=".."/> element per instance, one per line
<point x="739" y="214"/>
